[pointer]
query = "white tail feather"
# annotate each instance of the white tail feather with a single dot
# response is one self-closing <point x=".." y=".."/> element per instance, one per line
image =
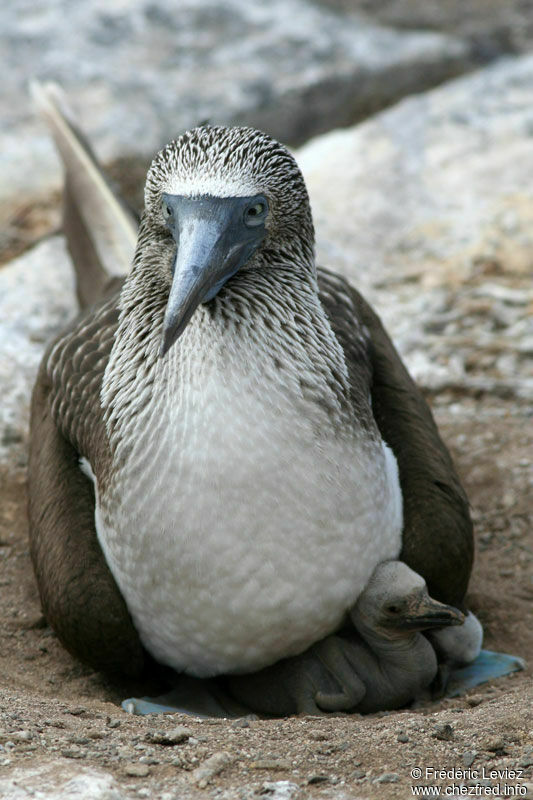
<point x="113" y="231"/>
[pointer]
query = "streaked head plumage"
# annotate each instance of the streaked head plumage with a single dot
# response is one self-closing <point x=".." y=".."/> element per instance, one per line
<point x="233" y="162"/>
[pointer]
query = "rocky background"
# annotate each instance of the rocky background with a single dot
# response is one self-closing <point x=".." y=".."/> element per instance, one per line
<point x="424" y="199"/>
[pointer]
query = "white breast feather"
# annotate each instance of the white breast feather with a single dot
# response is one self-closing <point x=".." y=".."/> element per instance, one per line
<point x="244" y="529"/>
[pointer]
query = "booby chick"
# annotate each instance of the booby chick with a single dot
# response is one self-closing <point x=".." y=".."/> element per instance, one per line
<point x="387" y="667"/>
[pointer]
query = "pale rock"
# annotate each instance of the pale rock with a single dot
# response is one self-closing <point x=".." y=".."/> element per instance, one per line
<point x="141" y="71"/>
<point x="280" y="790"/>
<point x="36" y="300"/>
<point x="428" y="208"/>
<point x="59" y="781"/>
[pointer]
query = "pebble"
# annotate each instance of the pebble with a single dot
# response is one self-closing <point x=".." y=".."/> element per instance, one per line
<point x="113" y="723"/>
<point x="211" y="767"/>
<point x="318" y="779"/>
<point x="526" y="760"/>
<point x="402" y="737"/>
<point x="279" y="790"/>
<point x="137" y="770"/>
<point x="495" y="745"/>
<point x="241" y="723"/>
<point x="22" y="736"/>
<point x="73" y="752"/>
<point x="387" y="777"/>
<point x="469" y="757"/>
<point x="79" y="740"/>
<point x="176" y="735"/>
<point x="96" y="734"/>
<point x="443" y="731"/>
<point x="474" y="700"/>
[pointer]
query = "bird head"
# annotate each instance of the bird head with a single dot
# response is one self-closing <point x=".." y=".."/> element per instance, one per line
<point x="396" y="603"/>
<point x="225" y="200"/>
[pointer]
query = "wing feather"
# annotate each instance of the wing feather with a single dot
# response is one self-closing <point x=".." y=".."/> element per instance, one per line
<point x="437" y="536"/>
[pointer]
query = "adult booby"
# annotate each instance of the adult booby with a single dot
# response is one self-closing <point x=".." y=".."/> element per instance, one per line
<point x="244" y="417"/>
<point x="388" y="666"/>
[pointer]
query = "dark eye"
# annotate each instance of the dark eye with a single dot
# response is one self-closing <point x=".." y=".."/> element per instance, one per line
<point x="255" y="213"/>
<point x="166" y="209"/>
<point x="393" y="609"/>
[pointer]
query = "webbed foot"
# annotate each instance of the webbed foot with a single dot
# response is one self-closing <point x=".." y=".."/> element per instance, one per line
<point x="463" y="663"/>
<point x="193" y="696"/>
<point x="487" y="665"/>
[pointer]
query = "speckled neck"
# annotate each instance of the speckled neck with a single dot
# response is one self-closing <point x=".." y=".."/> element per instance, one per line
<point x="268" y="320"/>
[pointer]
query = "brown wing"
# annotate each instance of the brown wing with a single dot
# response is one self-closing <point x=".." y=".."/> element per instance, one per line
<point x="437" y="536"/>
<point x="78" y="593"/>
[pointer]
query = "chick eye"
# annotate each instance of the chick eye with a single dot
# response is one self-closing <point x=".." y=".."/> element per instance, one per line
<point x="393" y="609"/>
<point x="255" y="213"/>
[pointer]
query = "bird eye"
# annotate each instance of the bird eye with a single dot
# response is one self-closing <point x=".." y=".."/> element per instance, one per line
<point x="255" y="213"/>
<point x="167" y="211"/>
<point x="393" y="609"/>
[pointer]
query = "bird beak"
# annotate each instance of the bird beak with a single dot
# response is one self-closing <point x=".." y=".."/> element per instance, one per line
<point x="212" y="243"/>
<point x="425" y="613"/>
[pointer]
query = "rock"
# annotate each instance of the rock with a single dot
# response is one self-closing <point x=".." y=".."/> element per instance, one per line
<point x="73" y="752"/>
<point x="469" y="756"/>
<point x="402" y="737"/>
<point x="36" y="300"/>
<point x="21" y="736"/>
<point x="58" y="780"/>
<point x="174" y="736"/>
<point x="279" y="790"/>
<point x="314" y="779"/>
<point x="137" y="770"/>
<point x="414" y="206"/>
<point x="527" y="759"/>
<point x="288" y="66"/>
<point x="240" y="723"/>
<point x="387" y="777"/>
<point x="211" y="766"/>
<point x="443" y="731"/>
<point x="495" y="745"/>
<point x="495" y="28"/>
<point x="474" y="700"/>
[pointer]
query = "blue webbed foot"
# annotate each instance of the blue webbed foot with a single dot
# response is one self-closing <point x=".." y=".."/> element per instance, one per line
<point x="192" y="696"/>
<point x="485" y="667"/>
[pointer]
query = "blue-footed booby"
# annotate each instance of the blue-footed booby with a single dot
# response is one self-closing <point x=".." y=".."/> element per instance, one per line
<point x="254" y="444"/>
<point x="388" y="666"/>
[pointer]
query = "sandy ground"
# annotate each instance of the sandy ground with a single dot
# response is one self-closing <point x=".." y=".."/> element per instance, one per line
<point x="54" y="710"/>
